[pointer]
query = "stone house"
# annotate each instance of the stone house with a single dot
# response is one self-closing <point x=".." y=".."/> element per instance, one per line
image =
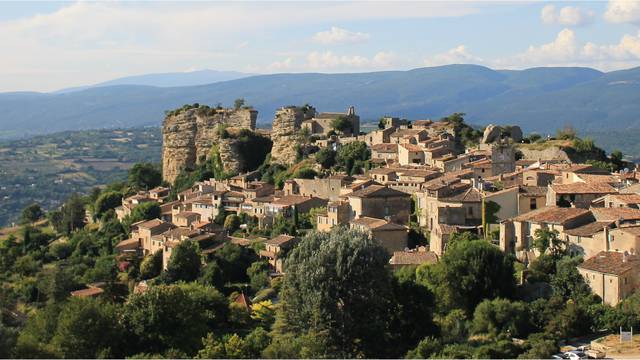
<point x="325" y="188"/>
<point x="577" y="194"/>
<point x="531" y="198"/>
<point x="408" y="136"/>
<point x="186" y="218"/>
<point x="378" y="137"/>
<point x="276" y="249"/>
<point x="387" y="152"/>
<point x="384" y="175"/>
<point x="629" y="200"/>
<point x="410" y="154"/>
<point x="321" y="122"/>
<point x="338" y="213"/>
<point x="612" y="275"/>
<point x="517" y="234"/>
<point x="380" y="202"/>
<point x="414" y="257"/>
<point x="392" y="237"/>
<point x="288" y="205"/>
<point x="145" y="231"/>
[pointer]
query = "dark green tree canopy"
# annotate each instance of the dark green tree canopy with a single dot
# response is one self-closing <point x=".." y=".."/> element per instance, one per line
<point x="144" y="176"/>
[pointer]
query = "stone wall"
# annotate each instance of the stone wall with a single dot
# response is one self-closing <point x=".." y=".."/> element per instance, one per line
<point x="187" y="137"/>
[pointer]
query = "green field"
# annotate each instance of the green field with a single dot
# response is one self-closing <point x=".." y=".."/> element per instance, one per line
<point x="47" y="169"/>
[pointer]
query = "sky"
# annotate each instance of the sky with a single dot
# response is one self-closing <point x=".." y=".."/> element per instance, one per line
<point x="48" y="46"/>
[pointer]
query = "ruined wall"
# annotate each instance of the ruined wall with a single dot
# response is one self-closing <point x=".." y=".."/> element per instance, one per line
<point x="285" y="127"/>
<point x="188" y="134"/>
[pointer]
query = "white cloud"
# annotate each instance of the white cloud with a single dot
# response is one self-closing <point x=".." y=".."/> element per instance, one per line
<point x="567" y="16"/>
<point x="623" y="11"/>
<point x="457" y="55"/>
<point x="337" y="35"/>
<point x="87" y="42"/>
<point x="567" y="50"/>
<point x="329" y="60"/>
<point x="283" y="65"/>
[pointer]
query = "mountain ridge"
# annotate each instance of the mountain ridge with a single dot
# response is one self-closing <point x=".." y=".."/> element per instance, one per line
<point x="538" y="99"/>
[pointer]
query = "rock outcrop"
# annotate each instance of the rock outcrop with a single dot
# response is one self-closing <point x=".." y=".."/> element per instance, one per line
<point x="491" y="134"/>
<point x="189" y="133"/>
<point x="284" y="134"/>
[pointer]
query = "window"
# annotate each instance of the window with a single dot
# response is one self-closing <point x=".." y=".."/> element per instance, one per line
<point x="470" y="211"/>
<point x="533" y="204"/>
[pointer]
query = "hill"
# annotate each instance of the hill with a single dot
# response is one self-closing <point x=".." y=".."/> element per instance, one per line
<point x="189" y="78"/>
<point x="539" y="99"/>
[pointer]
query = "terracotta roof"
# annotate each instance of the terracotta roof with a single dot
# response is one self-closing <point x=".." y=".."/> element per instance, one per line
<point x="418" y="172"/>
<point x="552" y="215"/>
<point x="613" y="214"/>
<point x="374" y="191"/>
<point x="376" y="224"/>
<point x="589" y="229"/>
<point x="583" y="188"/>
<point x="243" y="300"/>
<point x="412" y="147"/>
<point x="383" y="171"/>
<point x="627" y="198"/>
<point x="469" y="195"/>
<point x="422" y="122"/>
<point x="291" y="200"/>
<point x="127" y="244"/>
<point x="280" y="240"/>
<point x="156" y="225"/>
<point x="386" y="148"/>
<point x="187" y="214"/>
<point x="595" y="178"/>
<point x="413" y="257"/>
<point x="611" y="262"/>
<point x="533" y="190"/>
<point x="406" y="132"/>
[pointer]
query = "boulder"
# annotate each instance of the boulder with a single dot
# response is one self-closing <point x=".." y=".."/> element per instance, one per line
<point x="491" y="134"/>
<point x="516" y="133"/>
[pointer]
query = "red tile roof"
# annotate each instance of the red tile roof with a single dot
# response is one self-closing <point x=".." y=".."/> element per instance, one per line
<point x="553" y="215"/>
<point x="611" y="262"/>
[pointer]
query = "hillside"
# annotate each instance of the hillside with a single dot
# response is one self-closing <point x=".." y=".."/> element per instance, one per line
<point x="540" y="99"/>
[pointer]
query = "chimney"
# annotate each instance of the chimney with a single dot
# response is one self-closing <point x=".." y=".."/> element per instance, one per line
<point x="624" y="257"/>
<point x="606" y="238"/>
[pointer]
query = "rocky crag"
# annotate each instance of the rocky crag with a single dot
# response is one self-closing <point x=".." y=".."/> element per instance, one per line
<point x="189" y="133"/>
<point x="285" y="133"/>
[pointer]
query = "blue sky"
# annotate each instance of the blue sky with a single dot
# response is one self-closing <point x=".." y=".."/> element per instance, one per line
<point x="52" y="45"/>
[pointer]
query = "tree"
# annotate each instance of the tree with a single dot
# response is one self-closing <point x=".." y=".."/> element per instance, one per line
<point x="382" y="123"/>
<point x="348" y="155"/>
<point x="258" y="274"/>
<point x="31" y="214"/>
<point x="234" y="260"/>
<point x="338" y="282"/>
<point x="232" y="223"/>
<point x="164" y="317"/>
<point x="146" y="211"/>
<point x="549" y="240"/>
<point x="144" y="176"/>
<point x="501" y="317"/>
<point x="540" y="346"/>
<point x="106" y="201"/>
<point x="86" y="328"/>
<point x="184" y="264"/>
<point x="151" y="265"/>
<point x="212" y="302"/>
<point x="341" y="124"/>
<point x="305" y="173"/>
<point x="238" y="103"/>
<point x="426" y="348"/>
<point x="72" y="215"/>
<point x="326" y="157"/>
<point x="468" y="273"/>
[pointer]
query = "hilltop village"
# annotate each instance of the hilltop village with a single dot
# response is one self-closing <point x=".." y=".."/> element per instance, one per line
<point x="419" y="181"/>
<point x="420" y="238"/>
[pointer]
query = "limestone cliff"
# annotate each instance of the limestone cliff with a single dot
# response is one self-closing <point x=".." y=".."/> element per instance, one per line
<point x="284" y="134"/>
<point x="189" y="133"/>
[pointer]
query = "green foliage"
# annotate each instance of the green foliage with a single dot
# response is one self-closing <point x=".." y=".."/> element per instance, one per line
<point x="326" y="157"/>
<point x="151" y="265"/>
<point x="426" y="348"/>
<point x="258" y="274"/>
<point x="501" y="317"/>
<point x="583" y="145"/>
<point x="238" y="103"/>
<point x="87" y="328"/>
<point x="70" y="217"/>
<point x="144" y="176"/>
<point x="145" y="211"/>
<point x="546" y="240"/>
<point x="305" y="173"/>
<point x="184" y="264"/>
<point x="566" y="133"/>
<point x="233" y="261"/>
<point x="31" y="213"/>
<point x="468" y="273"/>
<point x="352" y="154"/>
<point x="382" y="123"/>
<point x="338" y="282"/>
<point x="232" y="223"/>
<point x="106" y="201"/>
<point x="162" y="318"/>
<point x="341" y="124"/>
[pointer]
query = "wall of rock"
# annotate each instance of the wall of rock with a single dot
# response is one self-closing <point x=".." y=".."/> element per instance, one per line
<point x="284" y="134"/>
<point x="188" y="134"/>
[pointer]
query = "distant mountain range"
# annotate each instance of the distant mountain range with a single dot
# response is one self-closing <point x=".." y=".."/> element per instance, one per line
<point x="538" y="99"/>
<point x="188" y="78"/>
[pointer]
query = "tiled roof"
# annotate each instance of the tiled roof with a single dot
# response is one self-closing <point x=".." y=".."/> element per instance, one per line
<point x="552" y="215"/>
<point x="291" y="200"/>
<point x="533" y="190"/>
<point x="187" y="214"/>
<point x="280" y="240"/>
<point x="406" y="132"/>
<point x="373" y="191"/>
<point x="388" y="148"/>
<point x="155" y="224"/>
<point x="376" y="224"/>
<point x="627" y="198"/>
<point x="413" y="258"/>
<point x="383" y="171"/>
<point x="412" y="147"/>
<point x="89" y="292"/>
<point x="583" y="188"/>
<point x="422" y="122"/>
<point x="613" y="214"/>
<point x="633" y="230"/>
<point x="611" y="262"/>
<point x="469" y="195"/>
<point x="589" y="229"/>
